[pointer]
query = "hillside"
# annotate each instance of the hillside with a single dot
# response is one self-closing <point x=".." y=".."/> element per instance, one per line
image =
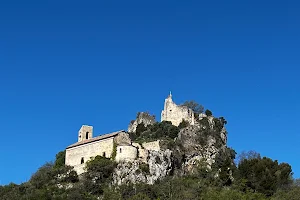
<point x="189" y="161"/>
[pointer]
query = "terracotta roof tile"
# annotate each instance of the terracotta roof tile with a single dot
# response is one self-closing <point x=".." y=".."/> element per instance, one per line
<point x="101" y="137"/>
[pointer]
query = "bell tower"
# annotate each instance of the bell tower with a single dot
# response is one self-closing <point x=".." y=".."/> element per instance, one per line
<point x="85" y="133"/>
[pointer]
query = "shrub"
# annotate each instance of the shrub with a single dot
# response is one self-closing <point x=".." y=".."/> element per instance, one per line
<point x="208" y="112"/>
<point x="183" y="124"/>
<point x="144" y="168"/>
<point x="60" y="159"/>
<point x="98" y="174"/>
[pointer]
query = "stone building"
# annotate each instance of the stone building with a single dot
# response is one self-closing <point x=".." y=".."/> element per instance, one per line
<point x="176" y="113"/>
<point x="88" y="146"/>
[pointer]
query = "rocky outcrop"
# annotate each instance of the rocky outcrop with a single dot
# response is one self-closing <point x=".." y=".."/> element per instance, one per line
<point x="201" y="144"/>
<point x="122" y="138"/>
<point x="196" y="144"/>
<point x="142" y="117"/>
<point x="159" y="165"/>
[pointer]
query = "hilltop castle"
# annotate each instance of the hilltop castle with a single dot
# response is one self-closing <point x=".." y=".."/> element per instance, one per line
<point x="104" y="145"/>
<point x="176" y="113"/>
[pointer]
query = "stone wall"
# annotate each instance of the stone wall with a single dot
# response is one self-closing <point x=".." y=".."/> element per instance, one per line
<point x="75" y="154"/>
<point x="143" y="150"/>
<point x="126" y="153"/>
<point x="122" y="138"/>
<point x="142" y="153"/>
<point x="85" y="133"/>
<point x="175" y="113"/>
<point x="154" y="146"/>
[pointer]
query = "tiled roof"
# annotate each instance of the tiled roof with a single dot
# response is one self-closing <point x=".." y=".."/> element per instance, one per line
<point x="101" y="137"/>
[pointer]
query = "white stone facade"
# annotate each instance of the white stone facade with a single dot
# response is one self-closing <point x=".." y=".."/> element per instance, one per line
<point x="77" y="156"/>
<point x="176" y="113"/>
<point x="85" y="133"/>
<point x="88" y="147"/>
<point x="126" y="153"/>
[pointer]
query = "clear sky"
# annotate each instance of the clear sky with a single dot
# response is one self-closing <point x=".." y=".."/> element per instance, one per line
<point x="64" y="64"/>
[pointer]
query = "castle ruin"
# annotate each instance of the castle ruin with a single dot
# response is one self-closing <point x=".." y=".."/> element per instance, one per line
<point x="104" y="145"/>
<point x="176" y="113"/>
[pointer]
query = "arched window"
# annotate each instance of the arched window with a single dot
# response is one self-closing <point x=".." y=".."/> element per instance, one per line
<point x="120" y="150"/>
<point x="82" y="160"/>
<point x="103" y="154"/>
<point x="87" y="135"/>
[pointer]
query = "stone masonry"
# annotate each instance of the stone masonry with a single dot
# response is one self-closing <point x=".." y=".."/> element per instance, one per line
<point x="176" y="113"/>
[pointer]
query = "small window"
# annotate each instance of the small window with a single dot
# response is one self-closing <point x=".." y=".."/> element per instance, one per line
<point x="82" y="160"/>
<point x="170" y="110"/>
<point x="87" y="135"/>
<point x="120" y="150"/>
<point x="103" y="154"/>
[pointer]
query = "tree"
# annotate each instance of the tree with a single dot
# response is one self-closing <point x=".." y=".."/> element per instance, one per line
<point x="247" y="155"/>
<point x="183" y="124"/>
<point x="197" y="108"/>
<point x="208" y="113"/>
<point x="98" y="174"/>
<point x="264" y="175"/>
<point x="60" y="159"/>
<point x="43" y="177"/>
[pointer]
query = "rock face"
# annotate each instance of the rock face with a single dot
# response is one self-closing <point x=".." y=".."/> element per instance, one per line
<point x="142" y="117"/>
<point x="158" y="166"/>
<point x="196" y="144"/>
<point x="200" y="143"/>
<point x="122" y="138"/>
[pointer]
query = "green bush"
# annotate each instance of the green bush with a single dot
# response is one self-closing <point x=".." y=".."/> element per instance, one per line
<point x="60" y="159"/>
<point x="208" y="113"/>
<point x="157" y="131"/>
<point x="144" y="168"/>
<point x="183" y="124"/>
<point x="98" y="174"/>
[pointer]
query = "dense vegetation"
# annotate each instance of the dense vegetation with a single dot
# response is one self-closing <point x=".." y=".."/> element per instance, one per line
<point x="251" y="177"/>
<point x="254" y="179"/>
<point x="163" y="131"/>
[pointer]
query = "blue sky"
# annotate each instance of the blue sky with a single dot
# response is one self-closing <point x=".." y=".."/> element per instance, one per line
<point x="64" y="64"/>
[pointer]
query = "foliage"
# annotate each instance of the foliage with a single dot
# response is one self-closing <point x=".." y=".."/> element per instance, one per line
<point x="197" y="108"/>
<point x="208" y="113"/>
<point x="247" y="155"/>
<point x="251" y="178"/>
<point x="114" y="151"/>
<point x="60" y="159"/>
<point x="219" y="123"/>
<point x="204" y="122"/>
<point x="48" y="182"/>
<point x="98" y="174"/>
<point x="291" y="194"/>
<point x="183" y="124"/>
<point x="264" y="175"/>
<point x="157" y="131"/>
<point x="224" y="166"/>
<point x="203" y="184"/>
<point x="144" y="167"/>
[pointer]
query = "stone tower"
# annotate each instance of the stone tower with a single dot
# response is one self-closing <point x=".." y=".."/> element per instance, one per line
<point x="176" y="113"/>
<point x="85" y="133"/>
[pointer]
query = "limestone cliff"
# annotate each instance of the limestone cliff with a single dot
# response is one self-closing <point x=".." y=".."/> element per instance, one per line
<point x="142" y="117"/>
<point x="158" y="165"/>
<point x="204" y="142"/>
